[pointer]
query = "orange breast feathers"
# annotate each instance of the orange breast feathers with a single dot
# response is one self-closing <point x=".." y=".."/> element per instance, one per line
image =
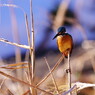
<point x="65" y="44"/>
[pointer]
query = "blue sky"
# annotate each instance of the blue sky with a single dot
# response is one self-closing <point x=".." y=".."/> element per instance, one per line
<point x="41" y="8"/>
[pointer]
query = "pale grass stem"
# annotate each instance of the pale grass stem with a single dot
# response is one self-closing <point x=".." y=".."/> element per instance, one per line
<point x="53" y="79"/>
<point x="34" y="91"/>
<point x="29" y="42"/>
<point x="56" y="65"/>
<point x="20" y="81"/>
<point x="69" y="73"/>
<point x="16" y="38"/>
<point x="15" y="44"/>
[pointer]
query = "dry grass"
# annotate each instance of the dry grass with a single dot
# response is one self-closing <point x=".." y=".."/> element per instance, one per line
<point x="55" y="85"/>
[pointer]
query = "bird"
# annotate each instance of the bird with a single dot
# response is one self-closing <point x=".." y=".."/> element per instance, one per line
<point x="64" y="41"/>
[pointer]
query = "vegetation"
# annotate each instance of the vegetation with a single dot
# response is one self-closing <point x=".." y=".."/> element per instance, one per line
<point x="49" y="76"/>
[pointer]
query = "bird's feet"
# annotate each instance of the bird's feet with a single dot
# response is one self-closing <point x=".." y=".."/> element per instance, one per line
<point x="68" y="70"/>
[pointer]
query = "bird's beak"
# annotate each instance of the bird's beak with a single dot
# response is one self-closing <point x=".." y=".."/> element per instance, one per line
<point x="55" y="36"/>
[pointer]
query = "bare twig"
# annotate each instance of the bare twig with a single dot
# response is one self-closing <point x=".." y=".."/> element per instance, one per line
<point x="12" y="5"/>
<point x="28" y="33"/>
<point x="15" y="34"/>
<point x="18" y="80"/>
<point x="26" y="93"/>
<point x="2" y="82"/>
<point x="53" y="79"/>
<point x="29" y="42"/>
<point x="16" y="64"/>
<point x="69" y="67"/>
<point x="9" y="91"/>
<point x="56" y="65"/>
<point x="34" y="92"/>
<point x="68" y="71"/>
<point x="15" y="68"/>
<point x="16" y="38"/>
<point x="32" y="31"/>
<point x="15" y="44"/>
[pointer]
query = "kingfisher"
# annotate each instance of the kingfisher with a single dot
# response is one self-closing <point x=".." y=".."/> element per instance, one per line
<point x="64" y="41"/>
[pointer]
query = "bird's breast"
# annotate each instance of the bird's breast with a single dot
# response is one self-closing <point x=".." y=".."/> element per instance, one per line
<point x="64" y="43"/>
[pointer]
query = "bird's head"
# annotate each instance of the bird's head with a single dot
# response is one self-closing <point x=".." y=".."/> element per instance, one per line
<point x="61" y="31"/>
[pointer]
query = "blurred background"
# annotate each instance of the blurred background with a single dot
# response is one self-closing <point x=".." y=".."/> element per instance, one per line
<point x="78" y="16"/>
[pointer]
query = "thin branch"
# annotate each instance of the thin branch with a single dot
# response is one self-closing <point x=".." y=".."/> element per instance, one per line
<point x="15" y="68"/>
<point x="9" y="91"/>
<point x="26" y="93"/>
<point x="29" y="42"/>
<point x="15" y="34"/>
<point x="2" y="82"/>
<point x="28" y="33"/>
<point x="68" y="71"/>
<point x="56" y="65"/>
<point x="33" y="41"/>
<point x="16" y="64"/>
<point x="69" y="67"/>
<point x="15" y="44"/>
<point x="53" y="79"/>
<point x="12" y="5"/>
<point x="34" y="92"/>
<point x="18" y="80"/>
